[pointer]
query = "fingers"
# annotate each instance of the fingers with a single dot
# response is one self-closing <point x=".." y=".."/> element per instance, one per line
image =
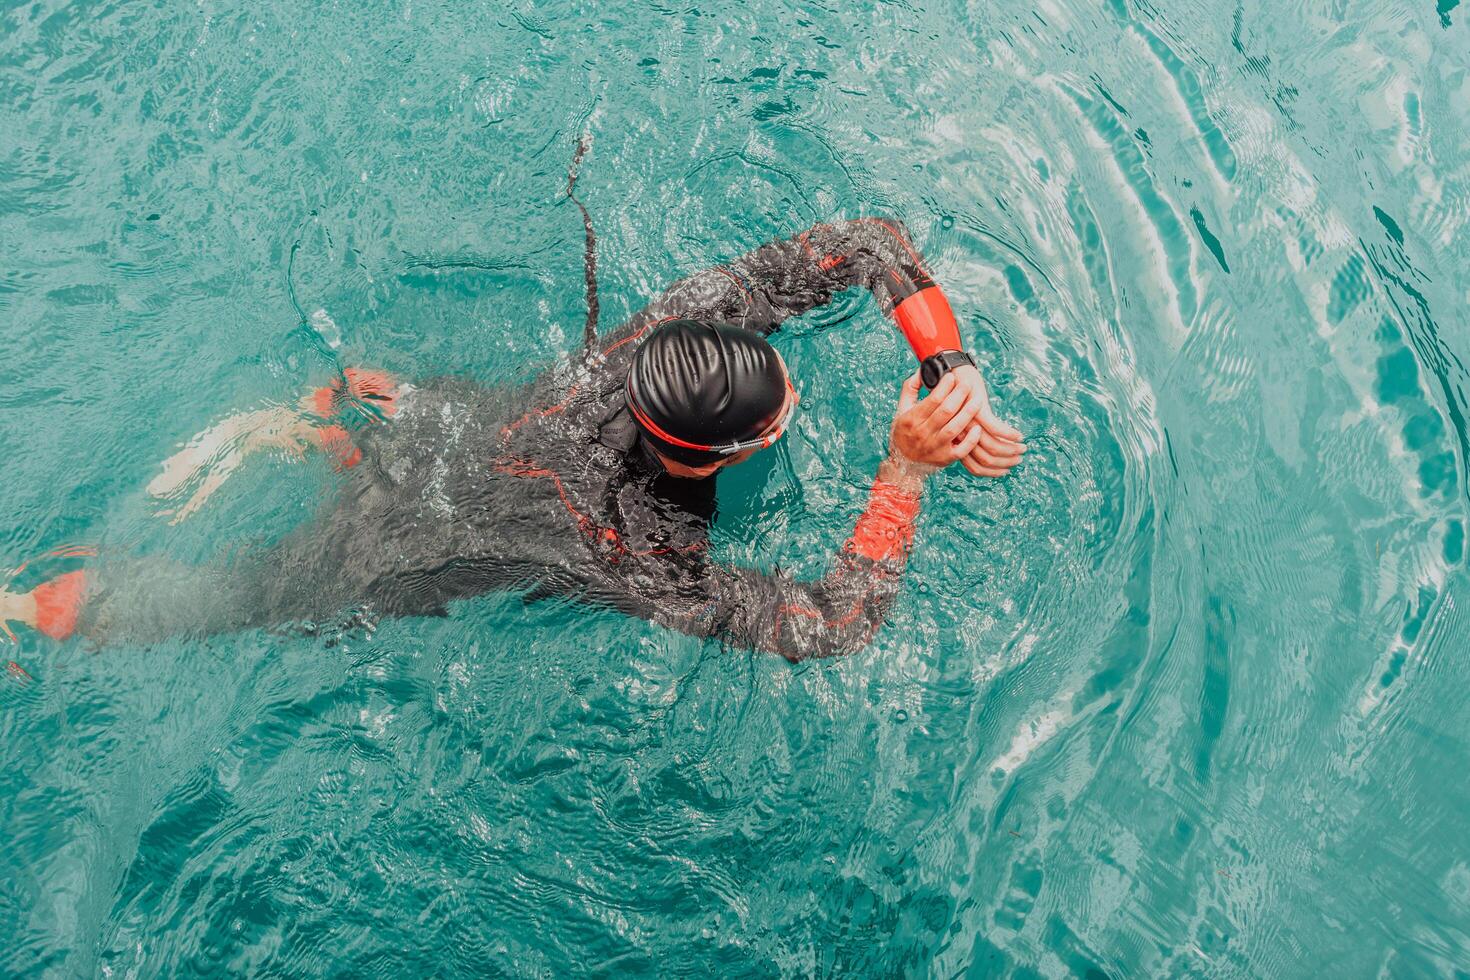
<point x="997" y="428"/>
<point x="947" y="419"/>
<point x="908" y="395"/>
<point x="960" y="423"/>
<point x="981" y="470"/>
<point x="1000" y="450"/>
<point x="988" y="454"/>
<point x="965" y="446"/>
<point x="980" y="461"/>
<point x="995" y="466"/>
<point x="958" y="396"/>
<point x="936" y="398"/>
<point x="214" y="477"/>
<point x="986" y="462"/>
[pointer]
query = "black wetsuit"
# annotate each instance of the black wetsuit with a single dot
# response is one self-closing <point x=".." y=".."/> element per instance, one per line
<point x="549" y="489"/>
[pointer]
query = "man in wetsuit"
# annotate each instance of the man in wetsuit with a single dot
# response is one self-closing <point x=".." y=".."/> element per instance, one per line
<point x="592" y="481"/>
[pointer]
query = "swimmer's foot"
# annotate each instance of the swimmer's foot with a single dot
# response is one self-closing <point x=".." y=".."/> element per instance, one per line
<point x="16" y="607"/>
<point x="50" y="608"/>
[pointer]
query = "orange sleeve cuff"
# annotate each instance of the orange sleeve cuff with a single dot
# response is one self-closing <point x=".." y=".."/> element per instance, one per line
<point x="58" y="603"/>
<point x="885" y="531"/>
<point x="928" y="323"/>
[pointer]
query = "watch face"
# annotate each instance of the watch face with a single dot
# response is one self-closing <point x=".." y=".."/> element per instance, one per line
<point x="930" y="372"/>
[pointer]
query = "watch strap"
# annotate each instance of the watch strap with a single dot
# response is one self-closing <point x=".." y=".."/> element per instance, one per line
<point x="936" y="366"/>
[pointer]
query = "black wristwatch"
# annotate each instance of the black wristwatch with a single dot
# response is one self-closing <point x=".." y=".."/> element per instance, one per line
<point x="932" y="368"/>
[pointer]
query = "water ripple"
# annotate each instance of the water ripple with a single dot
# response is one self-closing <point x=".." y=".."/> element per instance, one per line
<point x="1176" y="698"/>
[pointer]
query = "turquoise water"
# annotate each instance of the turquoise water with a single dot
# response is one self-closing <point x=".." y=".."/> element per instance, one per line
<point x="1183" y="696"/>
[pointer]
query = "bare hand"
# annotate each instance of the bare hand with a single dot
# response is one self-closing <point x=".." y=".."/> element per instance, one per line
<point x="953" y="423"/>
<point x="1000" y="445"/>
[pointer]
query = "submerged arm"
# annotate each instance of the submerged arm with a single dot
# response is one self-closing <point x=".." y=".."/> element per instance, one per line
<point x="839" y="613"/>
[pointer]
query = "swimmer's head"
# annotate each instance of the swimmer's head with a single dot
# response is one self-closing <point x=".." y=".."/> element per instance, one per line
<point x="707" y="395"/>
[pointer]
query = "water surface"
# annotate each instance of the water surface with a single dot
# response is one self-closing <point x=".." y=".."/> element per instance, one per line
<point x="1183" y="696"/>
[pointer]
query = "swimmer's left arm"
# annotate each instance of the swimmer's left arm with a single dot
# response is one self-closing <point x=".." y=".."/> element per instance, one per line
<point x="839" y="613"/>
<point x="833" y="616"/>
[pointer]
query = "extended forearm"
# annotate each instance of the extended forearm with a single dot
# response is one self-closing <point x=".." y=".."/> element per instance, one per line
<point x="879" y="255"/>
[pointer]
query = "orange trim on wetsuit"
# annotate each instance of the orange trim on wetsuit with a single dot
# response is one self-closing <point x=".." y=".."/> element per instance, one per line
<point x="58" y="603"/>
<point x="331" y="401"/>
<point x="885" y="531"/>
<point x="883" y="535"/>
<point x="337" y="443"/>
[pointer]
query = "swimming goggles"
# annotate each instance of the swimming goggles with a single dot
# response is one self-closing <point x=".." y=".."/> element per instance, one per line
<point x="729" y="448"/>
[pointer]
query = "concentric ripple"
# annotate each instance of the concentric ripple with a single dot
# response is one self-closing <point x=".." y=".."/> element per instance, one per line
<point x="1181" y="697"/>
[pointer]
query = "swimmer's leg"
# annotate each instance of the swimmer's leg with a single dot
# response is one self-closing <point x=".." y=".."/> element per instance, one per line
<point x="143" y="600"/>
<point x="324" y="419"/>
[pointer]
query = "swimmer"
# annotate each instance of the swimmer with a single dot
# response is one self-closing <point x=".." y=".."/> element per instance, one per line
<point x="593" y="482"/>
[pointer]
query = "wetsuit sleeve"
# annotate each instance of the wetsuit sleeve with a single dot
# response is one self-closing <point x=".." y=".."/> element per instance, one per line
<point x="835" y="615"/>
<point x="791" y="276"/>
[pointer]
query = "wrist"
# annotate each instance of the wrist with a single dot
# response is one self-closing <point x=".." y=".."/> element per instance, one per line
<point x="936" y="366"/>
<point x="904" y="473"/>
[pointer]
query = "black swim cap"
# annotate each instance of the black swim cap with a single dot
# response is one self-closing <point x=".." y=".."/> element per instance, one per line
<point x="694" y="386"/>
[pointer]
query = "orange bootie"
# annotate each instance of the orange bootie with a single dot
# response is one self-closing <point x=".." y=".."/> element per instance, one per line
<point x="375" y="388"/>
<point x="58" y="602"/>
